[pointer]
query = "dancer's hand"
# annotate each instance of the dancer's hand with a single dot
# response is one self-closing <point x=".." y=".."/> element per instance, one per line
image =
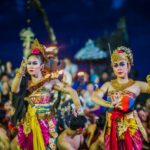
<point x="148" y="78"/>
<point x="118" y="105"/>
<point x="23" y="65"/>
<point x="117" y="100"/>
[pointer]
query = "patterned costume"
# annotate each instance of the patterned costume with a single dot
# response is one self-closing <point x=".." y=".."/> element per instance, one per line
<point x="123" y="129"/>
<point x="38" y="127"/>
<point x="123" y="126"/>
<point x="35" y="109"/>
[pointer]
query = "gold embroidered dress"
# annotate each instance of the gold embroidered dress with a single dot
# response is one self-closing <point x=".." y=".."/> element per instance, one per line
<point x="123" y="127"/>
<point x="37" y="130"/>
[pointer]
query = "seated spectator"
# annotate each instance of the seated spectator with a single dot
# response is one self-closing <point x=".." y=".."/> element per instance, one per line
<point x="90" y="108"/>
<point x="72" y="138"/>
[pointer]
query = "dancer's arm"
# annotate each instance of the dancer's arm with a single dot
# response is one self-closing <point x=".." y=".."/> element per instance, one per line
<point x="97" y="96"/>
<point x="144" y="86"/>
<point x="68" y="90"/>
<point x="15" y="87"/>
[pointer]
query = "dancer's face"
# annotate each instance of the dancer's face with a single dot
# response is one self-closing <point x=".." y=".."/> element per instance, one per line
<point x="34" y="65"/>
<point x="121" y="68"/>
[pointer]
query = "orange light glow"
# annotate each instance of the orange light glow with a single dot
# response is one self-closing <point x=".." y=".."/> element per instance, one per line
<point x="51" y="48"/>
<point x="61" y="72"/>
<point x="81" y="73"/>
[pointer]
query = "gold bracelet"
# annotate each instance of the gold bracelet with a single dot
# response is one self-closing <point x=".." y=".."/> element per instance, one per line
<point x="19" y="74"/>
<point x="77" y="106"/>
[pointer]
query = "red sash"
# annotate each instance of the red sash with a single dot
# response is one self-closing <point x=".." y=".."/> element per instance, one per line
<point x="113" y="135"/>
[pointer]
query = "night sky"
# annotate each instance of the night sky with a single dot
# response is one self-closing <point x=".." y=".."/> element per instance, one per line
<point x="74" y="22"/>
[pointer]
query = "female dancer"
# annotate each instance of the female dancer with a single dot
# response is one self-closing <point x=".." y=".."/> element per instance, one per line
<point x="33" y="101"/>
<point x="123" y="128"/>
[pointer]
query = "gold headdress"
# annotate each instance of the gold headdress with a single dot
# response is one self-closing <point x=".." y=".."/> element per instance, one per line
<point x="37" y="48"/>
<point x="122" y="53"/>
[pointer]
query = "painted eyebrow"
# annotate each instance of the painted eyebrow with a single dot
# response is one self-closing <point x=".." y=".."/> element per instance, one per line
<point x="115" y="63"/>
<point x="122" y="62"/>
<point x="33" y="61"/>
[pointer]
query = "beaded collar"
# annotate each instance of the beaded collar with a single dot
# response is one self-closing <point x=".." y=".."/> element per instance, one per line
<point x="120" y="87"/>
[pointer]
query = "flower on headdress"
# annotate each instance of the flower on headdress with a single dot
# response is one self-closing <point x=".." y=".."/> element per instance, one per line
<point x="35" y="51"/>
<point x="120" y="51"/>
<point x="80" y="129"/>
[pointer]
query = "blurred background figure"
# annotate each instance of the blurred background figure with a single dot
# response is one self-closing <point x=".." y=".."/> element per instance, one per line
<point x="70" y="67"/>
<point x="144" y="114"/>
<point x="5" y="94"/>
<point x="104" y="77"/>
<point x="4" y="78"/>
<point x="95" y="80"/>
<point x="90" y="108"/>
<point x="2" y="68"/>
<point x="9" y="70"/>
